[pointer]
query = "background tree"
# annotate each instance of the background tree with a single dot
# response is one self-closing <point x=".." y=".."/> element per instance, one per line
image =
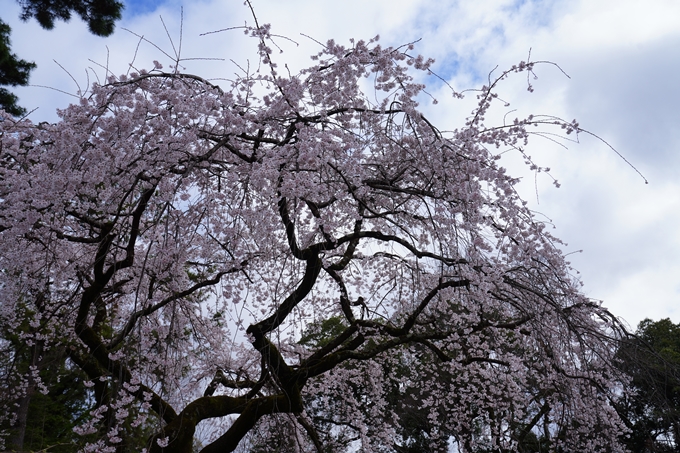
<point x="100" y="15"/>
<point x="53" y="399"/>
<point x="13" y="72"/>
<point x="651" y="406"/>
<point x="176" y="240"/>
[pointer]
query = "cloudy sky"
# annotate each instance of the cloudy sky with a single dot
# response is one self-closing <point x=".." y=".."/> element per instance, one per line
<point x="622" y="58"/>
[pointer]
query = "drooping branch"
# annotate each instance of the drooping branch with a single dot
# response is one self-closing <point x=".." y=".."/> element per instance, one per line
<point x="134" y="317"/>
<point x="390" y="238"/>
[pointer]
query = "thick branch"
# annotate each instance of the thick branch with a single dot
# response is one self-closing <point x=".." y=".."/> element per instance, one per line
<point x="334" y="359"/>
<point x="128" y="260"/>
<point x="312" y="270"/>
<point x="290" y="229"/>
<point x="255" y="409"/>
<point x="329" y="347"/>
<point x="181" y="430"/>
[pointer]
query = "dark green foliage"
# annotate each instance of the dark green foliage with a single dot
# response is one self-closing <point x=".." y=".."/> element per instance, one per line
<point x="52" y="417"/>
<point x="533" y="443"/>
<point x="13" y="72"/>
<point x="48" y="418"/>
<point x="320" y="334"/>
<point x="100" y="15"/>
<point x="651" y="406"/>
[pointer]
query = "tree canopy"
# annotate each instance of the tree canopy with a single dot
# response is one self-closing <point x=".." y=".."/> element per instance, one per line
<point x="298" y="252"/>
<point x="13" y="72"/>
<point x="100" y="15"/>
<point x="651" y="404"/>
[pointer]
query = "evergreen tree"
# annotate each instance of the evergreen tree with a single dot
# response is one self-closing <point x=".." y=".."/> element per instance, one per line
<point x="100" y="16"/>
<point x="13" y="72"/>
<point x="651" y="406"/>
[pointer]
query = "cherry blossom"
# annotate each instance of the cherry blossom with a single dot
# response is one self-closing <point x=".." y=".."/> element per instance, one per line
<point x="178" y="239"/>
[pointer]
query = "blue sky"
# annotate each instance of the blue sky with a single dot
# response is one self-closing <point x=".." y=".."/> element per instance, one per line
<point x="141" y="7"/>
<point x="622" y="57"/>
